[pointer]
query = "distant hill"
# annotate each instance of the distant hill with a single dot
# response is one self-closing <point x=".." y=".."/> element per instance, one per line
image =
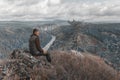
<point x="81" y="51"/>
<point x="98" y="39"/>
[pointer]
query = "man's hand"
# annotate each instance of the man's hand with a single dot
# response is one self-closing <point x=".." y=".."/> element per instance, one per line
<point x="44" y="51"/>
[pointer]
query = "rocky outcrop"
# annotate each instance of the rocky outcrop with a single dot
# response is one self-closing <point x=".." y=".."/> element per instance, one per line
<point x="71" y="65"/>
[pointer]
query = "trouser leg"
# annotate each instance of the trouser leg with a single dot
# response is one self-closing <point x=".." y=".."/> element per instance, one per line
<point x="48" y="57"/>
<point x="45" y="54"/>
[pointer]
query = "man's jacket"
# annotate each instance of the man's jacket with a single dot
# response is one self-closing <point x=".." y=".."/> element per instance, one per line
<point x="34" y="45"/>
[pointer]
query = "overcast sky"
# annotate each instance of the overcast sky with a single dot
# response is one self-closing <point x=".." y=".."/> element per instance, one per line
<point x="91" y="10"/>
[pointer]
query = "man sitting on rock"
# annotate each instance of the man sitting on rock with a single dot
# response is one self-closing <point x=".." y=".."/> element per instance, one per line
<point x="34" y="46"/>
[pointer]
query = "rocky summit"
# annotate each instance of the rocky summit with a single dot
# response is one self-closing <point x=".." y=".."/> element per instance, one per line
<point x="65" y="65"/>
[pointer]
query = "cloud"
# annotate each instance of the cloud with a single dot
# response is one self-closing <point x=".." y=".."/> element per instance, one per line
<point x="59" y="9"/>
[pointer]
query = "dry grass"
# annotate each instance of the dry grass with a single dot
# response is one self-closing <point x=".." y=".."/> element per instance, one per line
<point x="68" y="66"/>
<point x="71" y="66"/>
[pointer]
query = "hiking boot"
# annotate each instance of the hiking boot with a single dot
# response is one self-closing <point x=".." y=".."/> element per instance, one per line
<point x="48" y="58"/>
